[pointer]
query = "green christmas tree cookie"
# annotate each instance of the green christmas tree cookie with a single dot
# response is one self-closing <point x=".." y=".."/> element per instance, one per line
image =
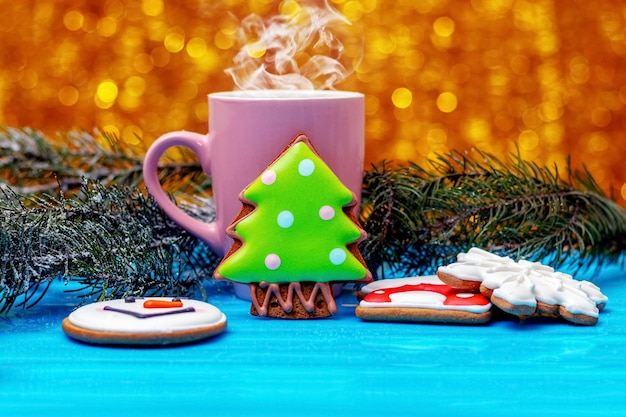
<point x="295" y="234"/>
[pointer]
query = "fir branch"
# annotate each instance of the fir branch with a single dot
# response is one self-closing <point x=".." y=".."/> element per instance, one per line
<point x="418" y="219"/>
<point x="104" y="234"/>
<point x="33" y="163"/>
<point x="112" y="241"/>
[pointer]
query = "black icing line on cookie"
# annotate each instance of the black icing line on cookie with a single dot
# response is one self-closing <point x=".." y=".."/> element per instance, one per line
<point x="132" y="299"/>
<point x="150" y="315"/>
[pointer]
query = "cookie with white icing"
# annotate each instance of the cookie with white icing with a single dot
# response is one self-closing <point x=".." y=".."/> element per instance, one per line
<point x="424" y="299"/>
<point x="467" y="271"/>
<point x="144" y="321"/>
<point x="525" y="288"/>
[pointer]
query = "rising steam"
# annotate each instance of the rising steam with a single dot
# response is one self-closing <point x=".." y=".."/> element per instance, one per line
<point x="296" y="49"/>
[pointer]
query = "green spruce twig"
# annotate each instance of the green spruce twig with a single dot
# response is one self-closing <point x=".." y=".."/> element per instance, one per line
<point x="111" y="241"/>
<point x="419" y="219"/>
<point x="75" y="209"/>
<point x="33" y="163"/>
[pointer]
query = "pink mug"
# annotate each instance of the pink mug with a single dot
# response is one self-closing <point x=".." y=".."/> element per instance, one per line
<point x="247" y="130"/>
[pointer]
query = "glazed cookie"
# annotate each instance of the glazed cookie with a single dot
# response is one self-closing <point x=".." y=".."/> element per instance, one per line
<point x="393" y="282"/>
<point x="467" y="271"/>
<point x="421" y="299"/>
<point x="296" y="236"/>
<point x="149" y="321"/>
<point x="525" y="288"/>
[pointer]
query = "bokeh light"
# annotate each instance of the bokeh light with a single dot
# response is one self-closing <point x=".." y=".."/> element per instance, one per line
<point x="545" y="77"/>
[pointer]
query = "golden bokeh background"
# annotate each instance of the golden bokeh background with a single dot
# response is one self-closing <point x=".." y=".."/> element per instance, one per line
<point x="545" y="76"/>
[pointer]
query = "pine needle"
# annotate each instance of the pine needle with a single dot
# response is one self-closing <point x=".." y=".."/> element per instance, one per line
<point x="419" y="219"/>
<point x="33" y="163"/>
<point x="112" y="241"/>
<point x="75" y="209"/>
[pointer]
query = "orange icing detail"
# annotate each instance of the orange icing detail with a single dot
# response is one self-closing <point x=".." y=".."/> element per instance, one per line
<point x="287" y="305"/>
<point x="452" y="294"/>
<point x="162" y="304"/>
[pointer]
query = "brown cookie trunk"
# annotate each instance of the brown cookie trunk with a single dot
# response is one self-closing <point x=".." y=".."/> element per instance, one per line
<point x="422" y="315"/>
<point x="515" y="309"/>
<point x="487" y="292"/>
<point x="305" y="300"/>
<point x="150" y="338"/>
<point x="581" y="319"/>
<point x="467" y="285"/>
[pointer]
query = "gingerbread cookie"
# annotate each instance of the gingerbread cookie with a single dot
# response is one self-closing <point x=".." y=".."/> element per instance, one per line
<point x="525" y="289"/>
<point x="295" y="236"/>
<point x="149" y="321"/>
<point x="421" y="299"/>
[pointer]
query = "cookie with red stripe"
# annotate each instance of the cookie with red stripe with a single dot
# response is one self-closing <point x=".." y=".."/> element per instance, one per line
<point x="525" y="289"/>
<point x="422" y="299"/>
<point x="144" y="321"/>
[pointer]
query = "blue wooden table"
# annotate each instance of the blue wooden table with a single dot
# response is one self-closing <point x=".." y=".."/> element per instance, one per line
<point x="337" y="366"/>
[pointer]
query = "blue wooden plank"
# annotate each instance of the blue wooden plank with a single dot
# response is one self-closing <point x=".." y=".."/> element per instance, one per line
<point x="339" y="366"/>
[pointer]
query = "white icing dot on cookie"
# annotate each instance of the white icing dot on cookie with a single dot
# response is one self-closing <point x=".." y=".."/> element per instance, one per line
<point x="285" y="219"/>
<point x="337" y="256"/>
<point x="327" y="212"/>
<point x="465" y="295"/>
<point x="268" y="177"/>
<point x="272" y="261"/>
<point x="306" y="167"/>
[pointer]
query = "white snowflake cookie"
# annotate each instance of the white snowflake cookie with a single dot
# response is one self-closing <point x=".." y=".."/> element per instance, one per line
<point x="525" y="288"/>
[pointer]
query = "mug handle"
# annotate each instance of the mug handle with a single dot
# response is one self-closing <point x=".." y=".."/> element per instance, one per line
<point x="198" y="144"/>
